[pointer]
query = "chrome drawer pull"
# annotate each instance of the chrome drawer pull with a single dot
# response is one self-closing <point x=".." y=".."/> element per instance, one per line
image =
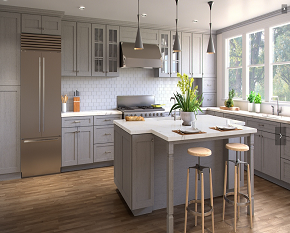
<point x="108" y="152"/>
<point x="76" y="122"/>
<point x="107" y="120"/>
<point x="106" y="134"/>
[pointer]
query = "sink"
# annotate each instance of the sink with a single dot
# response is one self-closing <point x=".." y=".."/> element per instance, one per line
<point x="272" y="116"/>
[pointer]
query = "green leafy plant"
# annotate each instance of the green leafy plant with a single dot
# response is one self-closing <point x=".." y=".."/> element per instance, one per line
<point x="187" y="100"/>
<point x="230" y="103"/>
<point x="251" y="97"/>
<point x="258" y="99"/>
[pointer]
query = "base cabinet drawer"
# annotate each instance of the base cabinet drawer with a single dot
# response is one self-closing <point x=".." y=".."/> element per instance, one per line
<point x="103" y="135"/>
<point x="285" y="170"/>
<point x="77" y="121"/>
<point x="209" y="99"/>
<point x="106" y="120"/>
<point x="103" y="153"/>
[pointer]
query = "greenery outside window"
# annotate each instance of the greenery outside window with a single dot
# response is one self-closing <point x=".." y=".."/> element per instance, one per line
<point x="281" y="62"/>
<point x="256" y="63"/>
<point x="235" y="65"/>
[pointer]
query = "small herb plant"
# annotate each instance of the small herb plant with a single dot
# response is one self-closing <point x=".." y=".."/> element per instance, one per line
<point x="258" y="99"/>
<point x="230" y="103"/>
<point x="251" y="97"/>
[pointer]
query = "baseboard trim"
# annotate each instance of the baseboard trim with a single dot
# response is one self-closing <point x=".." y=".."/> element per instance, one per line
<point x="87" y="166"/>
<point x="273" y="180"/>
<point x="10" y="176"/>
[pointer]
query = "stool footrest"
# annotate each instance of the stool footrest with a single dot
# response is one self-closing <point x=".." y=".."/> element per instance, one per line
<point x="198" y="213"/>
<point x="238" y="203"/>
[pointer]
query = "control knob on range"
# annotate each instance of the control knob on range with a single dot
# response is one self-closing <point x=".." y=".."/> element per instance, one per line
<point x="149" y="114"/>
<point x="135" y="115"/>
<point x="161" y="114"/>
<point x="157" y="114"/>
<point x="145" y="114"/>
<point x="153" y="114"/>
<point x="141" y="114"/>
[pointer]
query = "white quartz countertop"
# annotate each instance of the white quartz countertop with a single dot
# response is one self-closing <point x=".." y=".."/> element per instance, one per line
<point x="91" y="113"/>
<point x="163" y="126"/>
<point x="263" y="116"/>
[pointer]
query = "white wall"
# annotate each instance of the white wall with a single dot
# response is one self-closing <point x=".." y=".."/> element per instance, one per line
<point x="100" y="93"/>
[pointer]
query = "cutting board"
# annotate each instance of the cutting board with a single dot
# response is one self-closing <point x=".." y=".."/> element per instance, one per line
<point x="231" y="108"/>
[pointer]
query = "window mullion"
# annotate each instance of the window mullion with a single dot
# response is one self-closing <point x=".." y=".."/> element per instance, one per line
<point x="268" y="69"/>
<point x="245" y="69"/>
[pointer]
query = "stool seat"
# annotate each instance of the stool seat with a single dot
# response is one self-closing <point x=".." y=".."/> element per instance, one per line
<point x="199" y="151"/>
<point x="237" y="146"/>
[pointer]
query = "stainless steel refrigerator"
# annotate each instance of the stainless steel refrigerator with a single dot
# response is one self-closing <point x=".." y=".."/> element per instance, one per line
<point x="40" y="112"/>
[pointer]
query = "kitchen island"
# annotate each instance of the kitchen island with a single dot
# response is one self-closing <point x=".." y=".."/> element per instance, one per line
<point x="151" y="161"/>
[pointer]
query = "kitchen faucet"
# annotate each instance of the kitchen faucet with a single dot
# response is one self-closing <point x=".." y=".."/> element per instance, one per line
<point x="278" y="109"/>
<point x="174" y="114"/>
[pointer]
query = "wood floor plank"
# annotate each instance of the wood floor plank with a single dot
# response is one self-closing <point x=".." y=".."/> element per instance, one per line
<point x="87" y="202"/>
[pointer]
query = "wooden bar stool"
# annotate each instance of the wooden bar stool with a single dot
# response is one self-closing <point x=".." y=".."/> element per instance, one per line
<point x="238" y="147"/>
<point x="199" y="152"/>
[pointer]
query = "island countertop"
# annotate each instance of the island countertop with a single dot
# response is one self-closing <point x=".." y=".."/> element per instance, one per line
<point x="162" y="127"/>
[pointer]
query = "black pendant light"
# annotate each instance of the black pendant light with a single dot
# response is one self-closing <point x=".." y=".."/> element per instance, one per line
<point x="138" y="42"/>
<point x="210" y="47"/>
<point x="176" y="46"/>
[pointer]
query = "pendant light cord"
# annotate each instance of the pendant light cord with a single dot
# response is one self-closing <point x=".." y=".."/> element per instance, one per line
<point x="176" y="13"/>
<point x="138" y="16"/>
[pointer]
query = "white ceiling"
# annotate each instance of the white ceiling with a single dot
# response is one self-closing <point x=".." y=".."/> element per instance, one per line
<point x="161" y="12"/>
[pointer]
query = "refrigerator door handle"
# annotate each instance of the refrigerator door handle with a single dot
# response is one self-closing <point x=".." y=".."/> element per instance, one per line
<point x="43" y="92"/>
<point x="39" y="94"/>
<point x="40" y="140"/>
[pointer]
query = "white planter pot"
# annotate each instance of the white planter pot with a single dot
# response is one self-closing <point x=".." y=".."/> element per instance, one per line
<point x="63" y="107"/>
<point x="251" y="107"/>
<point x="257" y="107"/>
<point x="187" y="118"/>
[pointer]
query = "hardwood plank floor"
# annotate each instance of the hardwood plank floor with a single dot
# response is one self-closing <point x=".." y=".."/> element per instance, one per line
<point x="87" y="201"/>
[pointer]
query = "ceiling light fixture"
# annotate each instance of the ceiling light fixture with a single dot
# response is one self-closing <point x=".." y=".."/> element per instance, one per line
<point x="176" y="46"/>
<point x="210" y="47"/>
<point x="138" y="42"/>
<point x="81" y="8"/>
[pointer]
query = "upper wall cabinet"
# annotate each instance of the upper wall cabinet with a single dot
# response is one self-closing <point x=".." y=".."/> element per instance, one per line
<point x="39" y="24"/>
<point x="171" y="61"/>
<point x="209" y="60"/>
<point x="10" y="48"/>
<point x="186" y="54"/>
<point x="128" y="34"/>
<point x="197" y="55"/>
<point x="105" y="50"/>
<point x="76" y="49"/>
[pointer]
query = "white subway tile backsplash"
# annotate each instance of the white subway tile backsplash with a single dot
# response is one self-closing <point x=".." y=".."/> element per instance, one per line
<point x="101" y="93"/>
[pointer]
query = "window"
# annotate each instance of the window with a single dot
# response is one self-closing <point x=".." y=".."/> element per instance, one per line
<point x="281" y="62"/>
<point x="235" y="65"/>
<point x="256" y="62"/>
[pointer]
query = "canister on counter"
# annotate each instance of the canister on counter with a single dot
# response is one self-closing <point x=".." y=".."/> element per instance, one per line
<point x="76" y="104"/>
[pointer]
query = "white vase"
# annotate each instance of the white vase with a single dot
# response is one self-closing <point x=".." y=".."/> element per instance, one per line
<point x="251" y="107"/>
<point x="187" y="118"/>
<point x="63" y="107"/>
<point x="257" y="107"/>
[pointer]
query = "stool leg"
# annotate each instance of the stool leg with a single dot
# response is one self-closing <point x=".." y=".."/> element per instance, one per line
<point x="239" y="189"/>
<point x="211" y="200"/>
<point x="196" y="191"/>
<point x="250" y="195"/>
<point x="235" y="200"/>
<point x="225" y="189"/>
<point x="186" y="200"/>
<point x="202" y="202"/>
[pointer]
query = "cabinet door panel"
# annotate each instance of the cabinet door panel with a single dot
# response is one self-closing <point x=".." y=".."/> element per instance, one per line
<point x="103" y="135"/>
<point x="10" y="129"/>
<point x="197" y="55"/>
<point x="271" y="155"/>
<point x="164" y="46"/>
<point x="10" y="48"/>
<point x="68" y="48"/>
<point x="285" y="149"/>
<point x="285" y="170"/>
<point x="31" y="23"/>
<point x="186" y="52"/>
<point x="103" y="153"/>
<point x="85" y="145"/>
<point x="209" y="100"/>
<point x="51" y="25"/>
<point x="258" y="152"/>
<point x="69" y="147"/>
<point x="98" y="50"/>
<point x="209" y="85"/>
<point x="84" y="46"/>
<point x="113" y="50"/>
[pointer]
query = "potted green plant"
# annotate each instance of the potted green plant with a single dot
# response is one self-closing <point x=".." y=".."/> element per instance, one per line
<point x="258" y="101"/>
<point x="251" y="99"/>
<point x="229" y="102"/>
<point x="187" y="101"/>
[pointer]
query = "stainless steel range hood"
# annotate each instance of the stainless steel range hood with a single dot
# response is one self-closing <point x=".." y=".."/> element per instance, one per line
<point x="149" y="57"/>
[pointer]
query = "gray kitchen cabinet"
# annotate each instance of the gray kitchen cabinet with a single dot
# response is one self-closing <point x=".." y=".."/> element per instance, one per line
<point x="209" y="85"/>
<point x="40" y="24"/>
<point x="186" y="54"/>
<point x="76" y="49"/>
<point x="209" y="99"/>
<point x="209" y="60"/>
<point x="285" y="170"/>
<point x="69" y="48"/>
<point x="104" y="137"/>
<point x="197" y="55"/>
<point x="128" y="34"/>
<point x="133" y="167"/>
<point x="113" y="51"/>
<point x="10" y="129"/>
<point x="258" y="151"/>
<point x="10" y="49"/>
<point x="77" y="141"/>
<point x="171" y="61"/>
<point x="84" y="49"/>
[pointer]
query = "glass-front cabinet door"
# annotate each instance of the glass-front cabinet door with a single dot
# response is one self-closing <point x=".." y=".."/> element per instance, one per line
<point x="98" y="50"/>
<point x="113" y="51"/>
<point x="175" y="57"/>
<point x="164" y="46"/>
